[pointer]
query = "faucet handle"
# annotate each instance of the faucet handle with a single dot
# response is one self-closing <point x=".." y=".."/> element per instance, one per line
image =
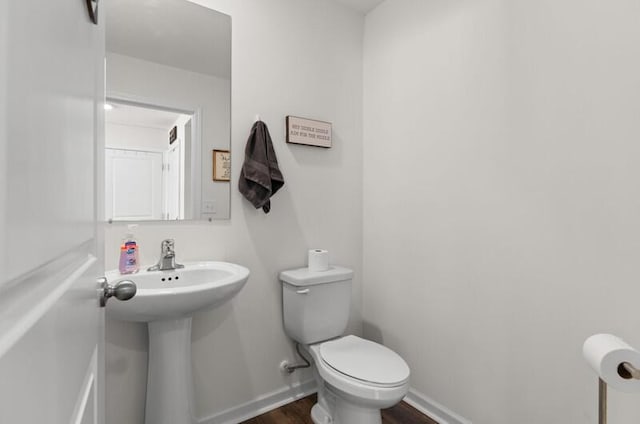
<point x="168" y="245"/>
<point x="167" y="257"/>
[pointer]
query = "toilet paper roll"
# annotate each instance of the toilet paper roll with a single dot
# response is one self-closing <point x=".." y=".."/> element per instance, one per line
<point x="605" y="353"/>
<point x="318" y="260"/>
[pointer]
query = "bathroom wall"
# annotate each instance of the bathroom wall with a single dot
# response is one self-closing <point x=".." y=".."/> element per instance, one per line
<point x="501" y="205"/>
<point x="122" y="136"/>
<point x="301" y="57"/>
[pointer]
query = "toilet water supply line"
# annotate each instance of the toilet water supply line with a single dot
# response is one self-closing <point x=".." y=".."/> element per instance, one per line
<point x="625" y="370"/>
<point x="291" y="368"/>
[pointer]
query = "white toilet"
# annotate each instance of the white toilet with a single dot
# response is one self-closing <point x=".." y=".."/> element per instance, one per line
<point x="356" y="377"/>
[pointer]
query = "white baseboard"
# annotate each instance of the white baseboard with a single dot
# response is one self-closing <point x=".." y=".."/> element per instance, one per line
<point x="433" y="409"/>
<point x="286" y="395"/>
<point x="262" y="404"/>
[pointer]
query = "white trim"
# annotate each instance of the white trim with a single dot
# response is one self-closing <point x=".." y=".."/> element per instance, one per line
<point x="196" y="166"/>
<point x="262" y="404"/>
<point x="149" y="103"/>
<point x="278" y="398"/>
<point x="433" y="409"/>
<point x="88" y="388"/>
<point x="133" y="149"/>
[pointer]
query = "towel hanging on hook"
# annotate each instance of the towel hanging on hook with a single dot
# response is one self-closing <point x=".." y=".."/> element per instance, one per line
<point x="260" y="177"/>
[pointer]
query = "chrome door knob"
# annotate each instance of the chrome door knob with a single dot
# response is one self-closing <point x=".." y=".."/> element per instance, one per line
<point x="122" y="290"/>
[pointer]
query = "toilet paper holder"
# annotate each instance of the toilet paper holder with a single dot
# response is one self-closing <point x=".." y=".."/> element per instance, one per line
<point x="626" y="371"/>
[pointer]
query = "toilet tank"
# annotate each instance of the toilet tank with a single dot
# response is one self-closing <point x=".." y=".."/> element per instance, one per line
<point x="316" y="304"/>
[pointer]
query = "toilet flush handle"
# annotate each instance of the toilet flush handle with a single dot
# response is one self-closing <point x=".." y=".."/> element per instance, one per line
<point x="303" y="291"/>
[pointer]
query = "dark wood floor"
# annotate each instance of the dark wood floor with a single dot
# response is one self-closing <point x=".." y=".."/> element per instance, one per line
<point x="299" y="412"/>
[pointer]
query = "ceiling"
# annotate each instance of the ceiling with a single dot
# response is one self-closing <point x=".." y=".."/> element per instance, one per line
<point x="364" y="6"/>
<point x="141" y="117"/>
<point x="175" y="33"/>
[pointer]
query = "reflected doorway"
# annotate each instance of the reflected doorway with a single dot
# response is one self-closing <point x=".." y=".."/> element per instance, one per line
<point x="148" y="162"/>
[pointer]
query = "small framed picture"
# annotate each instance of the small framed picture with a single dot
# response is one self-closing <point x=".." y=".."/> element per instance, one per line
<point x="221" y="165"/>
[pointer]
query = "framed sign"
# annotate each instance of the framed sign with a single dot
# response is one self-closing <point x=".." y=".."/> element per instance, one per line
<point x="308" y="131"/>
<point x="221" y="165"/>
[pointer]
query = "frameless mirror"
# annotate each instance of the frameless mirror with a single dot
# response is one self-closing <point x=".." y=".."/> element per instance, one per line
<point x="168" y="111"/>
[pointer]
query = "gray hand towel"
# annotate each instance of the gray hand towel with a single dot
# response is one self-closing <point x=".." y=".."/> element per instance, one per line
<point x="260" y="177"/>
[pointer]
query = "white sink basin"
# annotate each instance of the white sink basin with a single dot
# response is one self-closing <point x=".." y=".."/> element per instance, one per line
<point x="165" y="295"/>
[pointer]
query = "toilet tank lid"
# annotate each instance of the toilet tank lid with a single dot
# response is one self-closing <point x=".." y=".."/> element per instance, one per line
<point x="303" y="277"/>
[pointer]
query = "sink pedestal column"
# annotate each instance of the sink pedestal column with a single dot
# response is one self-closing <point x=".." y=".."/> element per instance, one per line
<point x="170" y="380"/>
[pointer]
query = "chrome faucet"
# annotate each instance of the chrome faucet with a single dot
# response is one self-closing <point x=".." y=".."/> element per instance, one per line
<point x="167" y="257"/>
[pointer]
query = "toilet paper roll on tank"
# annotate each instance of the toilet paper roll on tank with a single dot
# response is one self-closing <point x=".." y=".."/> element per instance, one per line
<point x="318" y="260"/>
<point x="606" y="354"/>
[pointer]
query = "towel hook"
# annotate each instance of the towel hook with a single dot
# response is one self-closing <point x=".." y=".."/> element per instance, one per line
<point x="258" y="118"/>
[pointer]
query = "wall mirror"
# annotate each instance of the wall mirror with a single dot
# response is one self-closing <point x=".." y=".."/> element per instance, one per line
<point x="168" y="108"/>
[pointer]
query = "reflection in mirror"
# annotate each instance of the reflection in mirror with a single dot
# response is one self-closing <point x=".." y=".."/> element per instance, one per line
<point x="147" y="176"/>
<point x="168" y="107"/>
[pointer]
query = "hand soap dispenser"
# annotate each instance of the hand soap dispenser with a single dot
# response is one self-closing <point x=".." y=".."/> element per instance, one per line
<point x="129" y="255"/>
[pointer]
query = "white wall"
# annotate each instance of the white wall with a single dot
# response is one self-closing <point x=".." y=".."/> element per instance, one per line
<point x="134" y="79"/>
<point x="121" y="136"/>
<point x="501" y="206"/>
<point x="300" y="57"/>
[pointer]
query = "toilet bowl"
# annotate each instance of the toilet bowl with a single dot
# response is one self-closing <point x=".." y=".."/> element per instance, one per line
<point x="355" y="377"/>
<point x="360" y="377"/>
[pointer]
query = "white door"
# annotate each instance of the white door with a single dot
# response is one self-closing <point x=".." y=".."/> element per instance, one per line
<point x="133" y="185"/>
<point x="187" y="192"/>
<point x="173" y="181"/>
<point x="51" y="120"/>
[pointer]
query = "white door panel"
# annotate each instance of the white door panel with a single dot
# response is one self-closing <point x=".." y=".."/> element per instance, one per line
<point x="4" y="46"/>
<point x="133" y="184"/>
<point x="51" y="328"/>
<point x="48" y="342"/>
<point x="49" y="74"/>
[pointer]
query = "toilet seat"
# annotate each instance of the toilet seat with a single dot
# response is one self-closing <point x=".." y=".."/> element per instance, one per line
<point x="365" y="361"/>
<point x="344" y="352"/>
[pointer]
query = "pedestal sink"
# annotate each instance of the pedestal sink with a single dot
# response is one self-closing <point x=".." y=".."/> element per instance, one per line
<point x="167" y="300"/>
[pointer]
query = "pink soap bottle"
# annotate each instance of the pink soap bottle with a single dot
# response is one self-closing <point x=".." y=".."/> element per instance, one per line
<point x="129" y="255"/>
